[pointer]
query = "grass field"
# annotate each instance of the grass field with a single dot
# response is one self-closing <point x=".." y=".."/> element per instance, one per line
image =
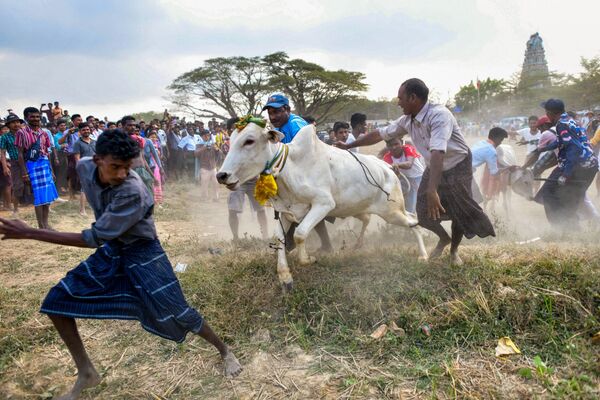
<point x="315" y="342"/>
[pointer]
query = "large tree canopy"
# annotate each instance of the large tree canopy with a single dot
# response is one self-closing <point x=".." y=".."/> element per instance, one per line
<point x="232" y="86"/>
<point x="313" y="89"/>
<point x="225" y="87"/>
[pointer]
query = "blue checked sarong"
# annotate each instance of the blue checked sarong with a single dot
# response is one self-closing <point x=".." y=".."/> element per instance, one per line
<point x="134" y="282"/>
<point x="42" y="184"/>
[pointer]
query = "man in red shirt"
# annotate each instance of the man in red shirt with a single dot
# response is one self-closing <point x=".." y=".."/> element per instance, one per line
<point x="34" y="144"/>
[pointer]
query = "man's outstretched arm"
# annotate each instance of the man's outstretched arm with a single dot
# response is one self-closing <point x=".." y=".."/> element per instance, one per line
<point x="365" y="140"/>
<point x="17" y="229"/>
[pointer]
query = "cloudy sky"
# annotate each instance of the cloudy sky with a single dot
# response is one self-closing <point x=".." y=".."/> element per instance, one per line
<point x="110" y="57"/>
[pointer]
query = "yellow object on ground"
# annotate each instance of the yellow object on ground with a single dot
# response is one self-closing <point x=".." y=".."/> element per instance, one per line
<point x="506" y="347"/>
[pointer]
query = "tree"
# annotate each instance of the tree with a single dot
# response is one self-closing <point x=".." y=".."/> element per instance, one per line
<point x="233" y="86"/>
<point x="490" y="90"/>
<point x="587" y="84"/>
<point x="313" y="89"/>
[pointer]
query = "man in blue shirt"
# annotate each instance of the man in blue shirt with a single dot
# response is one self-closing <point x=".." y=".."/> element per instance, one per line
<point x="484" y="152"/>
<point x="278" y="107"/>
<point x="564" y="190"/>
<point x="281" y="117"/>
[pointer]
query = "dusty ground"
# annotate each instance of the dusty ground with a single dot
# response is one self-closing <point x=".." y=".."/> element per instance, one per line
<point x="315" y="343"/>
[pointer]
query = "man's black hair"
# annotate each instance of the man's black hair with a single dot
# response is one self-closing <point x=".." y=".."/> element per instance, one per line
<point x="533" y="118"/>
<point x="56" y="103"/>
<point x="30" y="110"/>
<point x="127" y="118"/>
<point x="231" y="122"/>
<point x="88" y="117"/>
<point x="75" y="116"/>
<point x="61" y="121"/>
<point x="357" y="118"/>
<point x="109" y="124"/>
<point x="340" y="125"/>
<point x="83" y="125"/>
<point x="309" y="119"/>
<point x="417" y="87"/>
<point x="118" y="144"/>
<point x="497" y="133"/>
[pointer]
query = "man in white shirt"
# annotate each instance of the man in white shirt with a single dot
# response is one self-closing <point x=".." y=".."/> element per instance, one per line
<point x="530" y="136"/>
<point x="445" y="190"/>
<point x="188" y="145"/>
<point x="342" y="133"/>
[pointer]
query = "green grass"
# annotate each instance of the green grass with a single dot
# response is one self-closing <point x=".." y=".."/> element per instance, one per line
<point x="545" y="298"/>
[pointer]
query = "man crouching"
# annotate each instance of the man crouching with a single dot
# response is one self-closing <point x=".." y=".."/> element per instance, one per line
<point x="129" y="275"/>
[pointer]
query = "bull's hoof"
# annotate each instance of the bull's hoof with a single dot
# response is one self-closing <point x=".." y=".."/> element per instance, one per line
<point x="308" y="261"/>
<point x="455" y="260"/>
<point x="287" y="287"/>
<point x="423" y="258"/>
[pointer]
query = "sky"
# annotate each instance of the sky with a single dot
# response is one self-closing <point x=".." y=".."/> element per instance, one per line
<point x="114" y="57"/>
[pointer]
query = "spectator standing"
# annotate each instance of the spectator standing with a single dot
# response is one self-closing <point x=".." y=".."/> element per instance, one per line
<point x="57" y="112"/>
<point x="69" y="140"/>
<point x="187" y="144"/>
<point x="9" y="156"/>
<point x="5" y="183"/>
<point x="60" y="169"/>
<point x="85" y="146"/>
<point x="207" y="154"/>
<point x="158" y="172"/>
<point x="47" y="113"/>
<point x="34" y="146"/>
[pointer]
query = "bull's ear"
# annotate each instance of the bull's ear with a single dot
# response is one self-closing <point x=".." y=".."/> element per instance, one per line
<point x="274" y="136"/>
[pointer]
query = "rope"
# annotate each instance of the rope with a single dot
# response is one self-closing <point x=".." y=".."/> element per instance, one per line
<point x="369" y="176"/>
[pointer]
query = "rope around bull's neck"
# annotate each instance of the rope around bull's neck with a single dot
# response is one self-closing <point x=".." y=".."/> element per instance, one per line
<point x="369" y="176"/>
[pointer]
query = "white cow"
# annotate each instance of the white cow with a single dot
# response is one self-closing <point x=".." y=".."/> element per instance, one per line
<point x="317" y="180"/>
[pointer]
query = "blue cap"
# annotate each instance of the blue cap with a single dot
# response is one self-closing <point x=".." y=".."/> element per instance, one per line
<point x="276" y="100"/>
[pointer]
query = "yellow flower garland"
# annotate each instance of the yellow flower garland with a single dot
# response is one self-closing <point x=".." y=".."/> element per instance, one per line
<point x="265" y="188"/>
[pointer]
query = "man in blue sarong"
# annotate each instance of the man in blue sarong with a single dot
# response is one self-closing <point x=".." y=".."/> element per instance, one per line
<point x="129" y="276"/>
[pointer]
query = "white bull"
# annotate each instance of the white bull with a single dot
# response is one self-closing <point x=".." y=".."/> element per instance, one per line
<point x="317" y="180"/>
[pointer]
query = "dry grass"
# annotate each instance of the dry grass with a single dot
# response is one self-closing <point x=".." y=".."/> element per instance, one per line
<point x="315" y="342"/>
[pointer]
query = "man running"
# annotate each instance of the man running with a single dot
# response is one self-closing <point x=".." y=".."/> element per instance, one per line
<point x="445" y="190"/>
<point x="129" y="275"/>
<point x="564" y="190"/>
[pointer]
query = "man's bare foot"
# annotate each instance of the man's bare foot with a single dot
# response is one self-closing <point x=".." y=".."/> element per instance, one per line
<point x="231" y="365"/>
<point x="85" y="380"/>
<point x="439" y="249"/>
<point x="83" y="213"/>
<point x="455" y="259"/>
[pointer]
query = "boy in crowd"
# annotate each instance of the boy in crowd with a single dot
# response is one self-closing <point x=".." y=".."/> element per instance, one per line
<point x="9" y="157"/>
